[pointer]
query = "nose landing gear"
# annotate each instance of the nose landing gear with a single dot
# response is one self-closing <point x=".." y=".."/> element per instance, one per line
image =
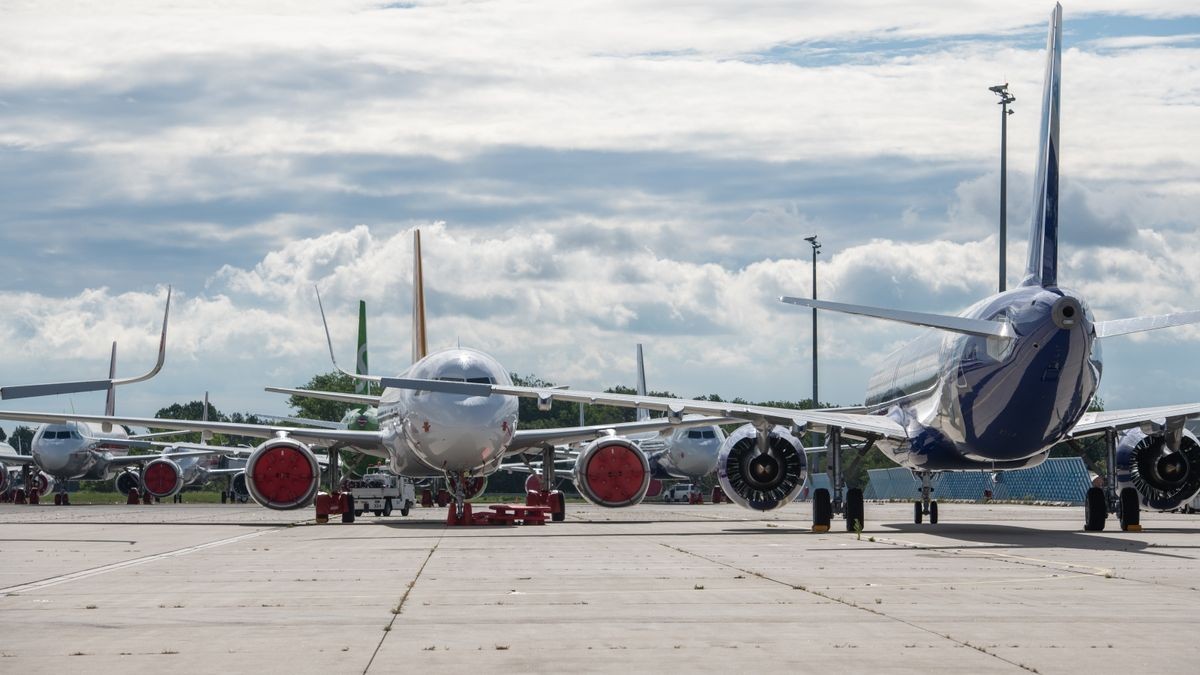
<point x="926" y="506"/>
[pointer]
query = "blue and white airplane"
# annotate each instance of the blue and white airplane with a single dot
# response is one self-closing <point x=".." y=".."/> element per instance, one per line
<point x="993" y="388"/>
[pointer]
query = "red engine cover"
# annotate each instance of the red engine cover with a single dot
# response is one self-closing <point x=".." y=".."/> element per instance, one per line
<point x="162" y="478"/>
<point x="613" y="473"/>
<point x="282" y="474"/>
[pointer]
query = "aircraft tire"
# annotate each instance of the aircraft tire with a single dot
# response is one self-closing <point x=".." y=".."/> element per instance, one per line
<point x="918" y="514"/>
<point x="558" y="514"/>
<point x="933" y="513"/>
<point x="854" y="510"/>
<point x="1094" y="510"/>
<point x="387" y="507"/>
<point x="822" y="510"/>
<point x="1130" y="512"/>
<point x="404" y="509"/>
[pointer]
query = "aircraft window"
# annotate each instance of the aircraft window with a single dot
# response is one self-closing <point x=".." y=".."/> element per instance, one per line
<point x="710" y="434"/>
<point x="74" y="434"/>
<point x="695" y="434"/>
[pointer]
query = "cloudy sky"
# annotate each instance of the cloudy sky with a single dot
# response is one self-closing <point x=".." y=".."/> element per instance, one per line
<point x="586" y="176"/>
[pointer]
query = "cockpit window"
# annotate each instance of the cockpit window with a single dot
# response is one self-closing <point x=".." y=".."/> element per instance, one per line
<point x="695" y="434"/>
<point x="710" y="434"/>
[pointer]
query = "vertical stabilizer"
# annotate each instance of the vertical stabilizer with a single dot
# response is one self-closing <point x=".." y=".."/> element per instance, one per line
<point x="360" y="367"/>
<point x="110" y="401"/>
<point x="205" y="436"/>
<point x="1042" y="268"/>
<point x="418" y="318"/>
<point x="642" y="413"/>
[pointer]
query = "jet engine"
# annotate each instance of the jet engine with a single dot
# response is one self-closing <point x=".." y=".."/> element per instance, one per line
<point x="1164" y="479"/>
<point x="126" y="481"/>
<point x="43" y="483"/>
<point x="612" y="472"/>
<point x="162" y="478"/>
<point x="282" y="474"/>
<point x="761" y="480"/>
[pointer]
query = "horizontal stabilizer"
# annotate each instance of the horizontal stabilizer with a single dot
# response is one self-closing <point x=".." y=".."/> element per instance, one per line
<point x="1141" y="324"/>
<point x="955" y="324"/>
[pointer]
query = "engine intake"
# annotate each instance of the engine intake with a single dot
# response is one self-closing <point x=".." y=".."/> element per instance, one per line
<point x="282" y="474"/>
<point x="1164" y="479"/>
<point x="162" y="478"/>
<point x="761" y="481"/>
<point x="126" y="481"/>
<point x="612" y="472"/>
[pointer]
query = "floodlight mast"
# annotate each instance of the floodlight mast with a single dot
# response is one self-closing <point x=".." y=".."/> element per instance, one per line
<point x="1001" y="90"/>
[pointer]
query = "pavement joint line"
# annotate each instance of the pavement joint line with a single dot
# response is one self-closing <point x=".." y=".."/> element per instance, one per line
<point x="853" y="605"/>
<point x="400" y="606"/>
<point x="124" y="564"/>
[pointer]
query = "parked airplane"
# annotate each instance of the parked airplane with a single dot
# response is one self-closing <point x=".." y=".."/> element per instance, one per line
<point x="993" y="388"/>
<point x="422" y="433"/>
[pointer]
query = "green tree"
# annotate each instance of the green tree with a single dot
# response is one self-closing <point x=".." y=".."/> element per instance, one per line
<point x="21" y="439"/>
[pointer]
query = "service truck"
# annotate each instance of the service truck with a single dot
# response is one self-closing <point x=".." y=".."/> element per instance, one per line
<point x="379" y="492"/>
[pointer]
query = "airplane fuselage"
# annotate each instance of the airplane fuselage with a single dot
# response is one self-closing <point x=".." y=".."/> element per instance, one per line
<point x="973" y="402"/>
<point x="685" y="454"/>
<point x="75" y="451"/>
<point x="433" y="434"/>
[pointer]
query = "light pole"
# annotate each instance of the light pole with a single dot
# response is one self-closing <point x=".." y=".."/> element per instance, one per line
<point x="816" y="249"/>
<point x="1001" y="90"/>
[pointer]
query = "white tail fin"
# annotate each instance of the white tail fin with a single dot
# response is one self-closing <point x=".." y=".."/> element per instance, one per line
<point x="1042" y="267"/>
<point x="642" y="413"/>
<point x="205" y="436"/>
<point x="419" y="347"/>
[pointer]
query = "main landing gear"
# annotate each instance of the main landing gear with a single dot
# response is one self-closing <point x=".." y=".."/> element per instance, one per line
<point x="926" y="506"/>
<point x="1099" y="502"/>
<point x="825" y="503"/>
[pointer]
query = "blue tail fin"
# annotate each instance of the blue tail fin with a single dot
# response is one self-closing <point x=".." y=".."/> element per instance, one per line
<point x="1042" y="269"/>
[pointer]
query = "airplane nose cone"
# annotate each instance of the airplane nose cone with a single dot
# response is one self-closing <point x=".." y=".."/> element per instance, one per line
<point x="51" y="460"/>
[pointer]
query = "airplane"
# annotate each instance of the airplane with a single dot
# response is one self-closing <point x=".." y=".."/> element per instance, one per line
<point x="70" y="450"/>
<point x="995" y="387"/>
<point x="422" y="433"/>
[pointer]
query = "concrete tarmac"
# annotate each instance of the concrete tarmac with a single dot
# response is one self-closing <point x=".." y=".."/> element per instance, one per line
<point x="215" y="588"/>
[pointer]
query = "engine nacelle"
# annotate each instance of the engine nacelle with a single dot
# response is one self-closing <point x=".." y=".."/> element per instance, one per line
<point x="612" y="472"/>
<point x="162" y="478"/>
<point x="1164" y="479"/>
<point x="762" y="481"/>
<point x="282" y="474"/>
<point x="126" y="481"/>
<point x="43" y="483"/>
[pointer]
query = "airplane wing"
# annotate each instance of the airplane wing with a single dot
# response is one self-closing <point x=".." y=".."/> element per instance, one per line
<point x="1097" y="422"/>
<point x="536" y="438"/>
<point x="306" y="421"/>
<point x="128" y="460"/>
<point x="362" y="439"/>
<point x="13" y="458"/>
<point x="360" y="399"/>
<point x="855" y="423"/>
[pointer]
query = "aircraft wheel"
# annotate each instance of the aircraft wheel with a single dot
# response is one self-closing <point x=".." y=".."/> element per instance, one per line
<point x="918" y="514"/>
<point x="855" y="513"/>
<point x="822" y="510"/>
<point x="559" y="513"/>
<point x="378" y="514"/>
<point x="349" y="514"/>
<point x="933" y="513"/>
<point x="1130" y="510"/>
<point x="1094" y="510"/>
<point x="404" y="509"/>
<point x="387" y="506"/>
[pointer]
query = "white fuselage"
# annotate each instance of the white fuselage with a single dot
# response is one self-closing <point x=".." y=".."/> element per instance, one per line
<point x="76" y="450"/>
<point x="433" y="434"/>
<point x="687" y="454"/>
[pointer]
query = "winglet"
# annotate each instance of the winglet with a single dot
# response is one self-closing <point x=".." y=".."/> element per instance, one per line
<point x="329" y="341"/>
<point x="1042" y="267"/>
<point x="419" y="346"/>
